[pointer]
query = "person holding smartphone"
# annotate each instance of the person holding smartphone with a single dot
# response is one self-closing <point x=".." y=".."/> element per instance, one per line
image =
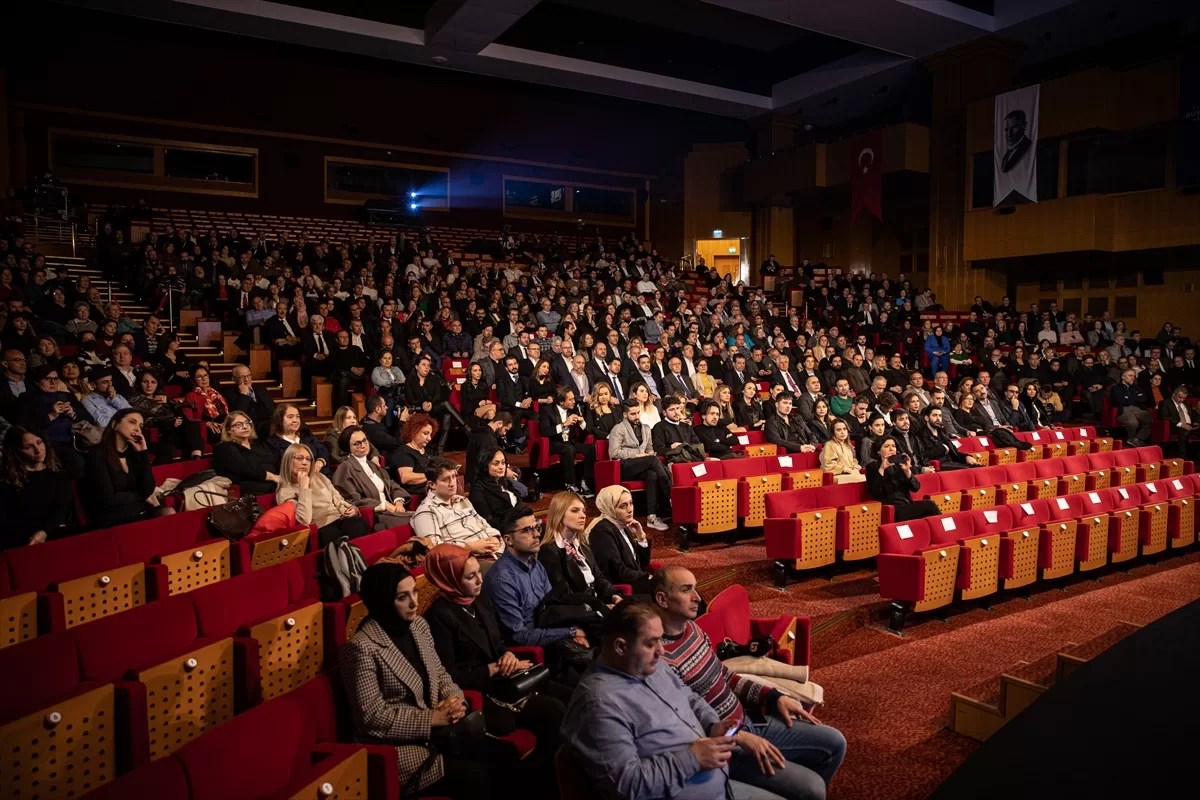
<point x="890" y="480"/>
<point x="119" y="485"/>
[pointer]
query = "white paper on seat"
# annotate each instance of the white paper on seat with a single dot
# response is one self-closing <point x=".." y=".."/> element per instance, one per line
<point x="957" y="444"/>
<point x="1124" y="494"/>
<point x="1037" y="437"/>
<point x="1027" y="508"/>
<point x="1059" y="435"/>
<point x="743" y="440"/>
<point x="1095" y="498"/>
<point x="785" y="461"/>
<point x="983" y="441"/>
<point x="1150" y="487"/>
<point x="699" y="470"/>
<point x="1177" y="486"/>
<point x="948" y="524"/>
<point x="1083" y="432"/>
<point x="1063" y="505"/>
<point x="991" y="516"/>
<point x="904" y="532"/>
<point x="460" y="380"/>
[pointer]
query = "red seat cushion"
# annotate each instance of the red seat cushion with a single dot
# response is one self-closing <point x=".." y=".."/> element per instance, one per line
<point x="34" y="568"/>
<point x="141" y="637"/>
<point x="274" y="522"/>
<point x="222" y="608"/>
<point x="728" y="616"/>
<point x="37" y="672"/>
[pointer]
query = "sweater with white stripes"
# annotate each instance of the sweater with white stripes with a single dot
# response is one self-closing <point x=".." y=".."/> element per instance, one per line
<point x="693" y="656"/>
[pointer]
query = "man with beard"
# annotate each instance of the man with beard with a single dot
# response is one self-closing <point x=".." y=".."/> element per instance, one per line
<point x="936" y="443"/>
<point x="906" y="441"/>
<point x="348" y="366"/>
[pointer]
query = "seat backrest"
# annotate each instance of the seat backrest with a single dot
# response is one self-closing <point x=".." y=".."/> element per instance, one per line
<point x="728" y="616"/>
<point x="904" y="538"/>
<point x="1022" y="472"/>
<point x="1073" y="465"/>
<point x="969" y="444"/>
<point x="162" y="779"/>
<point x="1150" y="454"/>
<point x="142" y="541"/>
<point x="1125" y="497"/>
<point x="32" y="569"/>
<point x="845" y="494"/>
<point x="1099" y="461"/>
<point x="1049" y="468"/>
<point x="140" y="637"/>
<point x="992" y="521"/>
<point x="1085" y="433"/>
<point x="1126" y="457"/>
<point x="1097" y="502"/>
<point x="219" y="765"/>
<point x="690" y="474"/>
<point x="986" y="476"/>
<point x="790" y="462"/>
<point x="1064" y="508"/>
<point x="180" y="469"/>
<point x="1031" y="512"/>
<point x="743" y="467"/>
<point x="1153" y="491"/>
<point x="375" y="546"/>
<point x="323" y="702"/>
<point x="37" y="672"/>
<point x="931" y="483"/>
<point x="222" y="607"/>
<point x="1179" y="487"/>
<point x="959" y="480"/>
<point x="950" y="528"/>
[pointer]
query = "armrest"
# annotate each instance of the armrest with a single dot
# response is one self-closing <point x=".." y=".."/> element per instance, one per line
<point x="133" y="745"/>
<point x="247" y="676"/>
<point x="157" y="582"/>
<point x="608" y="473"/>
<point x="302" y="778"/>
<point x="368" y="514"/>
<point x="783" y="537"/>
<point x="51" y="613"/>
<point x="474" y="699"/>
<point x="743" y="500"/>
<point x="776" y="626"/>
<point x="333" y="620"/>
<point x="685" y="504"/>
<point x="901" y="577"/>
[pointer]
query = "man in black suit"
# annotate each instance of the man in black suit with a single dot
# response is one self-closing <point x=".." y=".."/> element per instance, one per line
<point x="1130" y="402"/>
<point x="512" y="390"/>
<point x="377" y="432"/>
<point x="561" y="363"/>
<point x="784" y="376"/>
<point x="613" y="377"/>
<point x="806" y="404"/>
<point x="562" y="426"/>
<point x="348" y="367"/>
<point x="736" y="374"/>
<point x="673" y="431"/>
<point x="1176" y="411"/>
<point x="315" y="346"/>
<point x="283" y="333"/>
<point x="597" y="366"/>
<point x="676" y="384"/>
<point x="254" y="400"/>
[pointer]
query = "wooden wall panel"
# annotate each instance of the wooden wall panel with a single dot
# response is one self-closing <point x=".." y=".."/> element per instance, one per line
<point x="1175" y="300"/>
<point x="703" y="172"/>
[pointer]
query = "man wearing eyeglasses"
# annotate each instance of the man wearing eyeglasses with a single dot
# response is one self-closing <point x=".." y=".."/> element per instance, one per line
<point x="255" y="401"/>
<point x="517" y="583"/>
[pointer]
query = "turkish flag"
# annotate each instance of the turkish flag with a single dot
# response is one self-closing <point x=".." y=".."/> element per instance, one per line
<point x="866" y="174"/>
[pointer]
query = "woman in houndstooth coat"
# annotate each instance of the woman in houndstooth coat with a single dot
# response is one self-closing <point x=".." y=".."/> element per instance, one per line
<point x="399" y="691"/>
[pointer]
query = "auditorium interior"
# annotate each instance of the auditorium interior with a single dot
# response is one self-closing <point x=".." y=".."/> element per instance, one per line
<point x="864" y="325"/>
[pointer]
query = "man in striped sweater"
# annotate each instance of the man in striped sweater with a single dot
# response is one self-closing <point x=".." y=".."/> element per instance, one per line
<point x="781" y="747"/>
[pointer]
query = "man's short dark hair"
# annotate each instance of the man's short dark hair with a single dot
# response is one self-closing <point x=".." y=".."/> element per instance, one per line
<point x="508" y="523"/>
<point x="626" y="620"/>
<point x="670" y="401"/>
<point x="630" y="402"/>
<point x="560" y="396"/>
<point x="784" y="395"/>
<point x="437" y="467"/>
<point x="504" y="417"/>
<point x="374" y="402"/>
<point x="707" y="405"/>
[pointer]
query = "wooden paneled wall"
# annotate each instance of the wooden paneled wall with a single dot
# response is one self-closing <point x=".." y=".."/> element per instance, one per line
<point x="1175" y="300"/>
<point x="706" y="193"/>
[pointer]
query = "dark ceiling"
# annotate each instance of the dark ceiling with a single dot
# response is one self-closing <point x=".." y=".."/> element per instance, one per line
<point x="682" y="39"/>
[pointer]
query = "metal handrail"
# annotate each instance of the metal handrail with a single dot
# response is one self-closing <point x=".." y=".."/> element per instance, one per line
<point x="53" y="231"/>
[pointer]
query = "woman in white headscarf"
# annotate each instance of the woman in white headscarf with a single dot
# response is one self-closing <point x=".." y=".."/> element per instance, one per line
<point x="618" y="541"/>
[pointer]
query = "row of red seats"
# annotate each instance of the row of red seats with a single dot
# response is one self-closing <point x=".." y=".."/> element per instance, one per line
<point x="924" y="562"/>
<point x="809" y="528"/>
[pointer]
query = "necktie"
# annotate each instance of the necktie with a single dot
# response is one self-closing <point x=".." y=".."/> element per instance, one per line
<point x="320" y="343"/>
<point x="616" y="387"/>
<point x="687" y="391"/>
<point x="791" y="384"/>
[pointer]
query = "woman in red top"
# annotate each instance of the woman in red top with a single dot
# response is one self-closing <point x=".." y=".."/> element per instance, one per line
<point x="205" y="405"/>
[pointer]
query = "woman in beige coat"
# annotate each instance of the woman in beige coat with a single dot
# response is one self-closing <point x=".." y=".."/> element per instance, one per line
<point x="364" y="483"/>
<point x="317" y="502"/>
<point x="837" y="456"/>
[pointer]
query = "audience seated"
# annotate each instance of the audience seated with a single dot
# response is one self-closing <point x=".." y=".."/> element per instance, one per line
<point x="365" y="484"/>
<point x="250" y="464"/>
<point x="890" y="480"/>
<point x="446" y="516"/>
<point x="716" y="438"/>
<point x="564" y="431"/>
<point x="175" y="431"/>
<point x="401" y="694"/>
<point x="673" y="438"/>
<point x="837" y="455"/>
<point x="35" y="490"/>
<point x="343" y="418"/>
<point x="618" y="541"/>
<point x="603" y="411"/>
<point x="287" y="429"/>
<point x="317" y="501"/>
<point x="569" y="562"/>
<point x="119" y="485"/>
<point x="631" y="443"/>
<point x="495" y="490"/>
<point x="786" y="430"/>
<point x="782" y="748"/>
<point x="255" y="401"/>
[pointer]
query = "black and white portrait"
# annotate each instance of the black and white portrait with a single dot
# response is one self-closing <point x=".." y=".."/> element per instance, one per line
<point x="1014" y="150"/>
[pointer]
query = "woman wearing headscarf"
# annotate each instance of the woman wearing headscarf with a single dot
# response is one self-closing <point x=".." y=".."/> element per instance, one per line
<point x="400" y="693"/>
<point x="619" y="542"/>
<point x="467" y="636"/>
<point x="492" y="491"/>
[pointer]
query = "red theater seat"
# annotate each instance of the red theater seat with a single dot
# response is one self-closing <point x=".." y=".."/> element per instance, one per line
<point x="1182" y="522"/>
<point x="914" y="572"/>
<point x="1125" y="523"/>
<point x="701" y="499"/>
<point x="979" y="553"/>
<point x="728" y="617"/>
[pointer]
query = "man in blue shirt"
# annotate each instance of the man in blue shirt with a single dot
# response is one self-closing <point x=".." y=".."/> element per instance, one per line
<point x="103" y="402"/>
<point x="638" y="731"/>
<point x="517" y="582"/>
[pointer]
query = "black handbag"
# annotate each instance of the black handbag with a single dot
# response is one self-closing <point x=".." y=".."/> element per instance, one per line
<point x="755" y="647"/>
<point x="235" y="519"/>
<point x="512" y="689"/>
<point x="451" y="740"/>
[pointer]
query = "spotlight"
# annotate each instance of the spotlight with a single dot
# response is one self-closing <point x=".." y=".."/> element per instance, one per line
<point x="413" y="206"/>
<point x="412" y="195"/>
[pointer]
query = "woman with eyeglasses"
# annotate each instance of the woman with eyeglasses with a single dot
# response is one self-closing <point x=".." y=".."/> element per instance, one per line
<point x="239" y="456"/>
<point x="205" y="406"/>
<point x="317" y="501"/>
<point x="364" y="483"/>
<point x="492" y="492"/>
<point x="619" y="542"/>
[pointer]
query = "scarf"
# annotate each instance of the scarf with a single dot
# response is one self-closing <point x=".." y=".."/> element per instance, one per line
<point x="378" y="592"/>
<point x="214" y="404"/>
<point x="606" y="503"/>
<point x="444" y="567"/>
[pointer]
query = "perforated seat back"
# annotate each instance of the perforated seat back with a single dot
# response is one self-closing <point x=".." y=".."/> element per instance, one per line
<point x="62" y="750"/>
<point x="278" y="549"/>
<point x="291" y="649"/>
<point x="18" y="618"/>
<point x="101" y="594"/>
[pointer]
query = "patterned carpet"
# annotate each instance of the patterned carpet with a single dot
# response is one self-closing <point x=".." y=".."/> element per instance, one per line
<point x="890" y="695"/>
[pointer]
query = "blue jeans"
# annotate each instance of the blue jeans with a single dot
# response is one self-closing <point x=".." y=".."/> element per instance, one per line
<point x="813" y="754"/>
